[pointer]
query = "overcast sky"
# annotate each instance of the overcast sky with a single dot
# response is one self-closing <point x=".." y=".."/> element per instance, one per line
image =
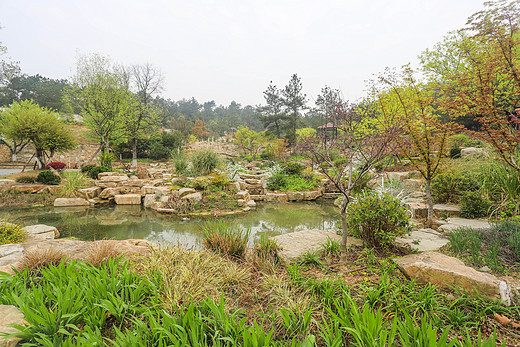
<point x="226" y="50"/>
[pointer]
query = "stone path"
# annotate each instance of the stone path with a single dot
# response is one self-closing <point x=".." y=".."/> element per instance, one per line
<point x="294" y="245"/>
<point x="455" y="223"/>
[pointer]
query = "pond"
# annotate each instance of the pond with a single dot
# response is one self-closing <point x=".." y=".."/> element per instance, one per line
<point x="134" y="222"/>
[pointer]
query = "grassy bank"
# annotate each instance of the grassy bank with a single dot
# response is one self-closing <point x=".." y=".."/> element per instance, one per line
<point x="178" y="297"/>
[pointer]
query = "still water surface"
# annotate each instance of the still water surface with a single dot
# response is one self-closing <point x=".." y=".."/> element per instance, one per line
<point x="126" y="222"/>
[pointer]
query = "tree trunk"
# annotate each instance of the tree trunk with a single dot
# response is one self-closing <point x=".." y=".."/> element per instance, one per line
<point x="344" y="238"/>
<point x="39" y="159"/>
<point x="134" y="153"/>
<point x="14" y="156"/>
<point x="429" y="199"/>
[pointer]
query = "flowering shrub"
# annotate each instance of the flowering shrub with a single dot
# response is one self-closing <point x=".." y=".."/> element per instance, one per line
<point x="56" y="165"/>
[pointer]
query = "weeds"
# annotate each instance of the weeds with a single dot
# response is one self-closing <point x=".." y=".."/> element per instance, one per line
<point x="38" y="258"/>
<point x="72" y="182"/>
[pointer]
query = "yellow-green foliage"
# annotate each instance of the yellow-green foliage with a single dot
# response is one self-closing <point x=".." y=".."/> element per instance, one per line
<point x="11" y="233"/>
<point x="190" y="276"/>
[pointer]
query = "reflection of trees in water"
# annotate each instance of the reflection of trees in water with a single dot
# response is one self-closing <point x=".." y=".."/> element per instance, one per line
<point x="124" y="222"/>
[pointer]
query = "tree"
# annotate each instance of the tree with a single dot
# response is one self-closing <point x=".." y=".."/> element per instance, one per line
<point x="424" y="138"/>
<point x="199" y="130"/>
<point x="271" y="115"/>
<point x="101" y="93"/>
<point x="363" y="140"/>
<point x="294" y="101"/>
<point x="143" y="113"/>
<point x="481" y="77"/>
<point x="249" y="140"/>
<point x="26" y="121"/>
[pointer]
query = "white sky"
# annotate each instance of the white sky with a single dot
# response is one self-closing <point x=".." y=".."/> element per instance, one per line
<point x="226" y="50"/>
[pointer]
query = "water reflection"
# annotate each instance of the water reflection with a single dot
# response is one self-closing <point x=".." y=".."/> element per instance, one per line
<point x="124" y="222"/>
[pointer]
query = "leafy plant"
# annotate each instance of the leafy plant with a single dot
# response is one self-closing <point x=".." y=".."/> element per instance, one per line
<point x="377" y="219"/>
<point x="96" y="170"/>
<point x="48" y="177"/>
<point x="331" y="247"/>
<point x="72" y="181"/>
<point x="11" y="233"/>
<point x="293" y="168"/>
<point x="86" y="168"/>
<point x="449" y="187"/>
<point x="311" y="258"/>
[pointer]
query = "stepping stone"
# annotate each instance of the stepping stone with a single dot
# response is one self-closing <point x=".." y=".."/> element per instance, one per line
<point x="455" y="223"/>
<point x="447" y="272"/>
<point x="10" y="315"/>
<point x="294" y="245"/>
<point x="422" y="240"/>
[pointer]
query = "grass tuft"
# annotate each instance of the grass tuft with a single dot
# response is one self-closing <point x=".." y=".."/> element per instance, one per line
<point x="36" y="259"/>
<point x="226" y="237"/>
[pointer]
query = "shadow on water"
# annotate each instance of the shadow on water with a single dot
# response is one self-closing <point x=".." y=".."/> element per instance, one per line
<point x="133" y="222"/>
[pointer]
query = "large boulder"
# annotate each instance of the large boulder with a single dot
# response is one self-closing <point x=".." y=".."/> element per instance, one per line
<point x="186" y="191"/>
<point x="448" y="272"/>
<point x="294" y="245"/>
<point x="309" y="195"/>
<point x="66" y="202"/>
<point x="27" y="188"/>
<point x="89" y="193"/>
<point x="193" y="197"/>
<point x="42" y="232"/>
<point x="108" y="193"/>
<point x="128" y="199"/>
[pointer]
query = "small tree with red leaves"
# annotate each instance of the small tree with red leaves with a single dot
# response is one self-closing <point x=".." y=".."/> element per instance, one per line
<point x="362" y="141"/>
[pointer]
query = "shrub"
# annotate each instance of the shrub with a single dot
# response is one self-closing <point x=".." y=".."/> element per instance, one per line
<point x="201" y="183"/>
<point x="48" y="177"/>
<point x="377" y="219"/>
<point x="204" y="161"/>
<point x="95" y="171"/>
<point x="56" y="165"/>
<point x="106" y="159"/>
<point x="277" y="181"/>
<point x="297" y="183"/>
<point x="449" y="187"/>
<point x="158" y="151"/>
<point x="11" y="233"/>
<point x="220" y="181"/>
<point x="86" y="168"/>
<point x="473" y="205"/>
<point x="293" y="168"/>
<point x="455" y="152"/>
<point x="26" y="179"/>
<point x="226" y="238"/>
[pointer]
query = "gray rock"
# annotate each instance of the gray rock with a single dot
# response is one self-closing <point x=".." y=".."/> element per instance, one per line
<point x="193" y="197"/>
<point x="42" y="232"/>
<point x="447" y="272"/>
<point x="455" y="223"/>
<point x="294" y="245"/>
<point x="149" y="200"/>
<point x="422" y="240"/>
<point x="65" y="202"/>
<point x="186" y="191"/>
<point x="128" y="199"/>
<point x="251" y="203"/>
<point x="446" y="209"/>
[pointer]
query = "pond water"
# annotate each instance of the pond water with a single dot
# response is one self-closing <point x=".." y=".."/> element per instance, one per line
<point x="133" y="222"/>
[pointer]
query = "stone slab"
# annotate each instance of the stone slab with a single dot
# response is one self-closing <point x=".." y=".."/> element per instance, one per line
<point x="422" y="240"/>
<point x="42" y="232"/>
<point x="128" y="199"/>
<point x="294" y="245"/>
<point x="446" y="209"/>
<point x="448" y="272"/>
<point x="65" y="202"/>
<point x="455" y="223"/>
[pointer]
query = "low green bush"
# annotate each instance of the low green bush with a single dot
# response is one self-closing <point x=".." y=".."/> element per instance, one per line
<point x="377" y="219"/>
<point x="48" y="177"/>
<point x="278" y="181"/>
<point x="473" y="205"/>
<point x="86" y="169"/>
<point x="283" y="182"/>
<point x="158" y="152"/>
<point x="449" y="187"/>
<point x="293" y="168"/>
<point x="11" y="233"/>
<point x="95" y="171"/>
